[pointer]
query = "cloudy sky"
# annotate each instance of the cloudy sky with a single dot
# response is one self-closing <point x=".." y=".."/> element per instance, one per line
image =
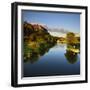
<point x="57" y="22"/>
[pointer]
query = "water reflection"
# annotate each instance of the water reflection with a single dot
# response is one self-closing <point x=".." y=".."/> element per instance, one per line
<point x="32" y="55"/>
<point x="72" y="53"/>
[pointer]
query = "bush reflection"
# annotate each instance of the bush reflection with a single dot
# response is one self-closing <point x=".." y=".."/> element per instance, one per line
<point x="33" y="53"/>
<point x="72" y="52"/>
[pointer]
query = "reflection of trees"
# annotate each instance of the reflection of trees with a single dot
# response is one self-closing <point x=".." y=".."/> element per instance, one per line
<point x="71" y="56"/>
<point x="33" y="53"/>
<point x="71" y="53"/>
<point x="31" y="57"/>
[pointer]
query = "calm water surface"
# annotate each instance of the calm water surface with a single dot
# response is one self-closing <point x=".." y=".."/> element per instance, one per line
<point x="57" y="61"/>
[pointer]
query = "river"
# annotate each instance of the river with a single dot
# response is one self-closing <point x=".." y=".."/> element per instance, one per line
<point x="57" y="61"/>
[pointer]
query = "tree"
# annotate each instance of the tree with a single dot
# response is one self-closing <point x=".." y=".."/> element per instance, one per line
<point x="70" y="37"/>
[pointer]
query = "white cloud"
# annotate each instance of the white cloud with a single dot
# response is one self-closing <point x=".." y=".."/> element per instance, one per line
<point x="59" y="34"/>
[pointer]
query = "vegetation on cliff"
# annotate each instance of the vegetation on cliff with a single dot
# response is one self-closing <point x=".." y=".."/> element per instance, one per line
<point x="37" y="40"/>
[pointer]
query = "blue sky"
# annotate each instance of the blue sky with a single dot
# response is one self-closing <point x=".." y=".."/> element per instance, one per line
<point x="67" y="21"/>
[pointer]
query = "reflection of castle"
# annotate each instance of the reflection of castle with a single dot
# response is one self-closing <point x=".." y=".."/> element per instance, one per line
<point x="71" y="53"/>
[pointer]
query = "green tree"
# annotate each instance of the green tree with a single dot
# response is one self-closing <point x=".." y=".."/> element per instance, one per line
<point x="70" y="37"/>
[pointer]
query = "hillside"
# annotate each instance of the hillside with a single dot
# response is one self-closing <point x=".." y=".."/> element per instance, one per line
<point x="37" y="40"/>
<point x="33" y="28"/>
